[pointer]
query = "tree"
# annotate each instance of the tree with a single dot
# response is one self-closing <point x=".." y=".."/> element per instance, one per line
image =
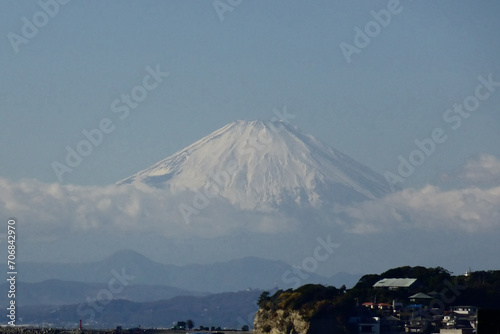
<point x="245" y="328"/>
<point x="190" y="324"/>
<point x="263" y="296"/>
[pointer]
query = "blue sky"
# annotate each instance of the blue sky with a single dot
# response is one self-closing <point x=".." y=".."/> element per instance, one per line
<point x="73" y="74"/>
<point x="262" y="55"/>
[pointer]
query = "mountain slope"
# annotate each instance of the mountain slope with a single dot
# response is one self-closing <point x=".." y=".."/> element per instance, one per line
<point x="58" y="292"/>
<point x="230" y="309"/>
<point x="264" y="165"/>
<point x="233" y="275"/>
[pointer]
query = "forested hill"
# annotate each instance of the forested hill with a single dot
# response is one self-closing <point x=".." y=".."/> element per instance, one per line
<point x="316" y="308"/>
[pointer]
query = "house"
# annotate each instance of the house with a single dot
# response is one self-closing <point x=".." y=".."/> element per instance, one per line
<point x="369" y="305"/>
<point x="420" y="298"/>
<point x="460" y="320"/>
<point x="384" y="306"/>
<point x="395" y="283"/>
<point x="417" y="325"/>
<point x="448" y="320"/>
<point x="410" y="311"/>
<point x="464" y="310"/>
<point x="414" y="308"/>
<point x="384" y="309"/>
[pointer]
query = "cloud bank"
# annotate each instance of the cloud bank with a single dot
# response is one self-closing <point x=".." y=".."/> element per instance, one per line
<point x="54" y="209"/>
<point x="430" y="208"/>
<point x="470" y="209"/>
<point x="486" y="169"/>
<point x="50" y="210"/>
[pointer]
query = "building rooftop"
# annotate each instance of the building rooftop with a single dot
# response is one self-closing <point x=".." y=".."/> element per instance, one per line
<point x="395" y="283"/>
<point x="421" y="295"/>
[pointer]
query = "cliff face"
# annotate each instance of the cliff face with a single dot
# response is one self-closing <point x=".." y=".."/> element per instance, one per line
<point x="290" y="322"/>
<point x="311" y="309"/>
<point x="280" y="322"/>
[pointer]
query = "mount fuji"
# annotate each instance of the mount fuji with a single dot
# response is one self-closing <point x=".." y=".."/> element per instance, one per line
<point x="265" y="165"/>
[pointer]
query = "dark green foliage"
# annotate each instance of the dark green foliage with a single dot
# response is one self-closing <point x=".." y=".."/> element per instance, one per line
<point x="485" y="279"/>
<point x="313" y="293"/>
<point x="483" y="289"/>
<point x="264" y="296"/>
<point x="428" y="279"/>
<point x="367" y="281"/>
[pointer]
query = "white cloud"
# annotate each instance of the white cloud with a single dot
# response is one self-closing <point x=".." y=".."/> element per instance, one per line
<point x="430" y="208"/>
<point x="486" y="169"/>
<point x="51" y="210"/>
<point x="54" y="208"/>
<point x="473" y="208"/>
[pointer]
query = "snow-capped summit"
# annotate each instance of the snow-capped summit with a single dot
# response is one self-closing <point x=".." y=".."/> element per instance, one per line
<point x="264" y="164"/>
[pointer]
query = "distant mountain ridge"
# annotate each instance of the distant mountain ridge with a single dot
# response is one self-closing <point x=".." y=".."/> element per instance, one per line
<point x="58" y="292"/>
<point x="233" y="275"/>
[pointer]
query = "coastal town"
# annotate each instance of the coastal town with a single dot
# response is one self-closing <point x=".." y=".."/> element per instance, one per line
<point x="422" y="312"/>
<point x="401" y="300"/>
